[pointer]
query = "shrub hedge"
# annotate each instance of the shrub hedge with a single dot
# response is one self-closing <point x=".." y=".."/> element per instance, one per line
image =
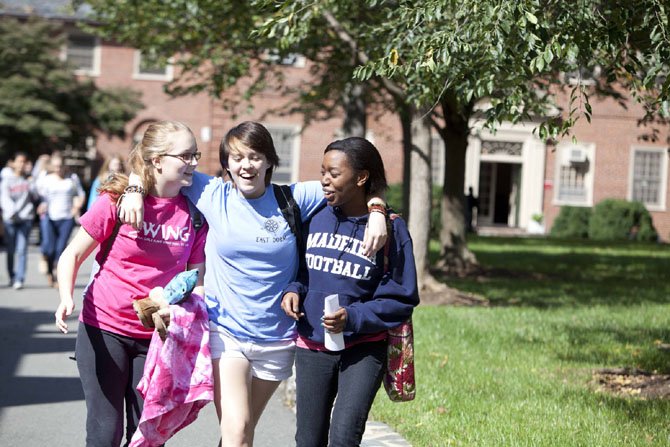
<point x="609" y="220"/>
<point x="572" y="222"/>
<point x="616" y="219"/>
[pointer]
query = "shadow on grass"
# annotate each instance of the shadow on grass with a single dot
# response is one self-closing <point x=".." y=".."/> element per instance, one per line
<point x="613" y="346"/>
<point x="641" y="413"/>
<point x="549" y="273"/>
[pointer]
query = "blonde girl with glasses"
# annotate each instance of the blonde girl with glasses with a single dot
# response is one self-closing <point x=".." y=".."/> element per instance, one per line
<point x="112" y="344"/>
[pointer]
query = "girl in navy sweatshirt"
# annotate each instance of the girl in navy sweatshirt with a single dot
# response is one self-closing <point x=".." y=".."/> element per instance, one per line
<point x="373" y="298"/>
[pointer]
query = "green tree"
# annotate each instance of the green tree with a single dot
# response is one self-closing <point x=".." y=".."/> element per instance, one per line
<point x="43" y="106"/>
<point x="438" y="63"/>
<point x="450" y="61"/>
<point x="505" y="61"/>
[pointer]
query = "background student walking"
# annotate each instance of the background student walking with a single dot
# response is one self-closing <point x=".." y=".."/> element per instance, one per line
<point x="17" y="197"/>
<point x="62" y="197"/>
<point x="110" y="166"/>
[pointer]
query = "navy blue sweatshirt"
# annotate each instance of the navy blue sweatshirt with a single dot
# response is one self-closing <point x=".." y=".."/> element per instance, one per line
<point x="374" y="300"/>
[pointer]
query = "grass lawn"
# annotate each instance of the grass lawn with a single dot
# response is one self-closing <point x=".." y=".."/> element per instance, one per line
<point x="519" y="373"/>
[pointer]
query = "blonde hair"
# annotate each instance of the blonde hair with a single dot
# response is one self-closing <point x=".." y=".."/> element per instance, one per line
<point x="157" y="141"/>
<point x="104" y="173"/>
<point x="55" y="155"/>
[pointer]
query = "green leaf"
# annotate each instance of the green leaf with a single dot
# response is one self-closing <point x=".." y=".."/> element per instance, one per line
<point x="531" y="18"/>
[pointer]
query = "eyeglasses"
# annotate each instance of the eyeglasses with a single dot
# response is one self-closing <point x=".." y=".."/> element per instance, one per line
<point x="186" y="158"/>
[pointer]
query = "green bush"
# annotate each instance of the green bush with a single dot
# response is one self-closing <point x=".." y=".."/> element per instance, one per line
<point x="615" y="219"/>
<point x="572" y="222"/>
<point x="394" y="199"/>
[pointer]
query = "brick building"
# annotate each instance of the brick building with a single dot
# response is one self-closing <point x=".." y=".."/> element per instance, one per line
<point x="514" y="174"/>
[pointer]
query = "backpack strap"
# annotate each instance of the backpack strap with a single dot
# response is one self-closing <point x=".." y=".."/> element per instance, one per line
<point x="196" y="216"/>
<point x="290" y="210"/>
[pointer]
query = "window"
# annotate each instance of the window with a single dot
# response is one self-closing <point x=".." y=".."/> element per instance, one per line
<point x="148" y="68"/>
<point x="583" y="76"/>
<point x="290" y="59"/>
<point x="287" y="143"/>
<point x="574" y="174"/>
<point x="649" y="177"/>
<point x="83" y="53"/>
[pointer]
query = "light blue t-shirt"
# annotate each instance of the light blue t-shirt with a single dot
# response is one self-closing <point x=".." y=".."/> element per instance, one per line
<point x="251" y="256"/>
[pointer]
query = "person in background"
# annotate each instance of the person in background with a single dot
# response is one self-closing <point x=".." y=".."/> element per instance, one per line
<point x="251" y="256"/>
<point x="112" y="344"/>
<point x="62" y="197"/>
<point x="471" y="204"/>
<point x="4" y="172"/>
<point x="40" y="170"/>
<point x="109" y="167"/>
<point x="335" y="389"/>
<point x="17" y="196"/>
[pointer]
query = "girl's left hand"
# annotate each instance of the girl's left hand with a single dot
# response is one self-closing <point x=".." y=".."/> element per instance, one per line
<point x="375" y="234"/>
<point x="336" y="321"/>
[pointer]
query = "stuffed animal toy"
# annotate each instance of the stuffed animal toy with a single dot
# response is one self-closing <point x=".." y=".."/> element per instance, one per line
<point x="177" y="290"/>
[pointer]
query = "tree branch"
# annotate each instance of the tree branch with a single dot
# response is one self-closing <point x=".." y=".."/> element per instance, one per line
<point x="362" y="57"/>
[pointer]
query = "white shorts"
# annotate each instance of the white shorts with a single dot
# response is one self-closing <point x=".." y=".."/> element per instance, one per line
<point x="269" y="361"/>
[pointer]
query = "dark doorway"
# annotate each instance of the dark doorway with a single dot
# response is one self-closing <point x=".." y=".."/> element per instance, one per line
<point x="503" y="189"/>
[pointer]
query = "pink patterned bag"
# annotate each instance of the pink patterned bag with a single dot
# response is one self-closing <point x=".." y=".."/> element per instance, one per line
<point x="399" y="377"/>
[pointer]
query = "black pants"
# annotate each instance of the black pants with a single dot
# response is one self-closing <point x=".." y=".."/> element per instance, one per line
<point x="110" y="367"/>
<point x="353" y="376"/>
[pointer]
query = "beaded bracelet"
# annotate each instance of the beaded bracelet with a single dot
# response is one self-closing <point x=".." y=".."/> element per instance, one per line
<point x="134" y="188"/>
<point x="375" y="201"/>
<point x="377" y="208"/>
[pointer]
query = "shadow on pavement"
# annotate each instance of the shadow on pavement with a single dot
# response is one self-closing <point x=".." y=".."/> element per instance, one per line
<point x="19" y="338"/>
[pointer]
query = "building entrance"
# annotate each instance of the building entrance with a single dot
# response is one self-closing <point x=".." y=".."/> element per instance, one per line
<point x="499" y="194"/>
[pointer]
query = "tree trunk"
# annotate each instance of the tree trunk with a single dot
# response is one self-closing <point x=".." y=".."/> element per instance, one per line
<point x="420" y="192"/>
<point x="353" y="101"/>
<point x="455" y="253"/>
<point x="405" y="114"/>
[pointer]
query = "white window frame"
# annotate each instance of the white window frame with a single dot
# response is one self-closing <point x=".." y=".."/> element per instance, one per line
<point x="664" y="175"/>
<point x="137" y="59"/>
<point x="590" y="149"/>
<point x="583" y="76"/>
<point x="290" y="60"/>
<point x="95" y="70"/>
<point x="295" y="150"/>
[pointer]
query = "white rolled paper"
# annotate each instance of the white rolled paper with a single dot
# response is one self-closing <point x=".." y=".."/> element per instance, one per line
<point x="333" y="342"/>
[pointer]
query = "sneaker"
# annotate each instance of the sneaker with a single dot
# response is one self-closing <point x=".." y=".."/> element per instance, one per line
<point x="18" y="285"/>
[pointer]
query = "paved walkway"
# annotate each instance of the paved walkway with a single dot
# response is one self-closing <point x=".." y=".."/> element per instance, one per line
<point x="41" y="401"/>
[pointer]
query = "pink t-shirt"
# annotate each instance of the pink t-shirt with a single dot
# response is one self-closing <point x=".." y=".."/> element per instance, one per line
<point x="138" y="260"/>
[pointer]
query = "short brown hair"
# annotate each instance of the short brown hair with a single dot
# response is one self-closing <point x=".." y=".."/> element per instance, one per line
<point x="254" y="136"/>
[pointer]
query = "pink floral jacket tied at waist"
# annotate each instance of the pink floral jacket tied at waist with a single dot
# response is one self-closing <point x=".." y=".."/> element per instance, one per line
<point x="177" y="379"/>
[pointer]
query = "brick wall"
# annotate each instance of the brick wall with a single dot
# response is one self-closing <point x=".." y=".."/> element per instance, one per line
<point x="615" y="131"/>
<point x="116" y="69"/>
